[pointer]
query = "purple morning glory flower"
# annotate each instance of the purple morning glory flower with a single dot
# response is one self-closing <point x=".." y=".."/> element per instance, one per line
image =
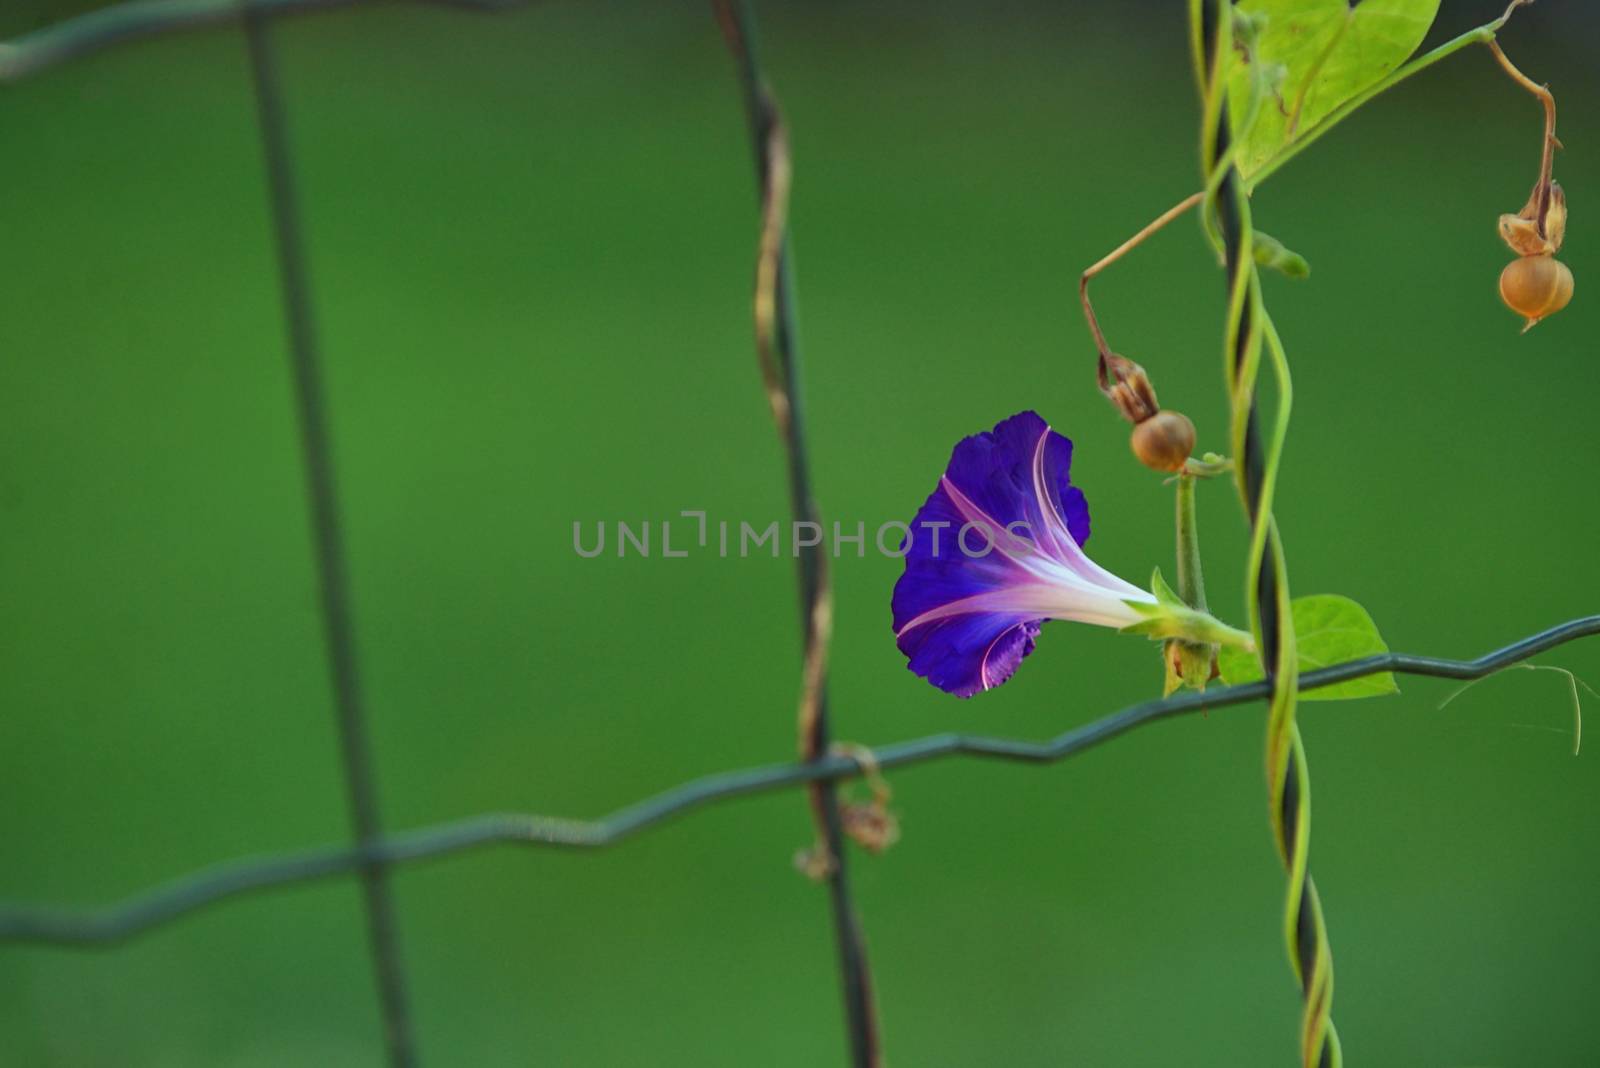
<point x="997" y="550"/>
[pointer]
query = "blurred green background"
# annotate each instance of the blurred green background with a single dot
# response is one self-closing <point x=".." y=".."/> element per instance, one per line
<point x="531" y="240"/>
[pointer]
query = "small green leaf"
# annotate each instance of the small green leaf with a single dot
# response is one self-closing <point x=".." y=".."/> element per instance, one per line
<point x="1328" y="51"/>
<point x="1329" y="629"/>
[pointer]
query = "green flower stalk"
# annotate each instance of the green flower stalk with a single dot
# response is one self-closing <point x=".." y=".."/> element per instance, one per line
<point x="1188" y="664"/>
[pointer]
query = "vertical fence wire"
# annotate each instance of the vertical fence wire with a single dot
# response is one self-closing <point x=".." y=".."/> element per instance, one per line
<point x="779" y="350"/>
<point x="322" y="502"/>
<point x="1249" y="329"/>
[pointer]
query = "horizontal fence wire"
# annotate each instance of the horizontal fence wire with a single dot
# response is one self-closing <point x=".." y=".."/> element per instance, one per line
<point x="141" y="912"/>
<point x="39" y="50"/>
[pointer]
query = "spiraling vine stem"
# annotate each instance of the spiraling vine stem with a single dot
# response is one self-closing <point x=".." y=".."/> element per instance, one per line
<point x="778" y="353"/>
<point x="1249" y="333"/>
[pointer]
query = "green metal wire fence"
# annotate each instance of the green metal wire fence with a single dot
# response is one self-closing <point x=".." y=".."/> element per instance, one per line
<point x="821" y="767"/>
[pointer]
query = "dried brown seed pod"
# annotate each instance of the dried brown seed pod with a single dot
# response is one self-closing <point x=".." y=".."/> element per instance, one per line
<point x="1164" y="441"/>
<point x="1535" y="287"/>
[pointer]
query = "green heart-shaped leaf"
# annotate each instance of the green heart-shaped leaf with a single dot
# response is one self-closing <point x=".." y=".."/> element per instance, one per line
<point x="1327" y="51"/>
<point x="1329" y="629"/>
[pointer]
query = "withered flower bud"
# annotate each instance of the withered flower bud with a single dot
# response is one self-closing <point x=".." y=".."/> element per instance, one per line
<point x="1127" y="386"/>
<point x="1540" y="227"/>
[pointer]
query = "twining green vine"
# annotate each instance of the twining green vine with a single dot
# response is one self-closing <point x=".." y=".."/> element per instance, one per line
<point x="1274" y="76"/>
<point x="1249" y="331"/>
<point x="1238" y="43"/>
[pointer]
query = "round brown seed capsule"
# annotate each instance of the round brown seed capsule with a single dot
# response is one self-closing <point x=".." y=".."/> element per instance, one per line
<point x="1164" y="441"/>
<point x="1535" y="287"/>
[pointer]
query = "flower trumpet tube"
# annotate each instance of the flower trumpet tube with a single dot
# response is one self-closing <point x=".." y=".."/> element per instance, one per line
<point x="997" y="550"/>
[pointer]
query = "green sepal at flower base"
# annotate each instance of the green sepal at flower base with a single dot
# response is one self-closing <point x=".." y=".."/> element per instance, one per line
<point x="1169" y="617"/>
